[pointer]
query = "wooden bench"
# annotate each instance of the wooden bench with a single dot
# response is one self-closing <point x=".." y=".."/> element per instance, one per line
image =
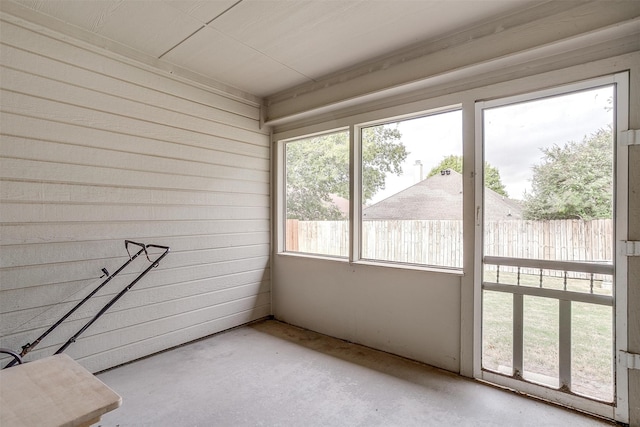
<point x="55" y="391"/>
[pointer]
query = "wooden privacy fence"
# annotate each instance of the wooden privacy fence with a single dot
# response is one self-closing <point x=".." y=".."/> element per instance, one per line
<point x="435" y="242"/>
<point x="557" y="240"/>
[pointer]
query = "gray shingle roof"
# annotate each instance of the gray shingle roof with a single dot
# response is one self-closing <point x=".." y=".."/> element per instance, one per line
<point x="439" y="197"/>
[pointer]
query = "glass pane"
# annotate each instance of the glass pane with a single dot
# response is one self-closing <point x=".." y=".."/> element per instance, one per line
<point x="541" y="340"/>
<point x="549" y="178"/>
<point x="412" y="191"/>
<point x="317" y="195"/>
<point x="592" y="350"/>
<point x="497" y="332"/>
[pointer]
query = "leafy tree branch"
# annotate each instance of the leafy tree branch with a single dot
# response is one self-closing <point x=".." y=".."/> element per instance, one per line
<point x="317" y="168"/>
<point x="574" y="181"/>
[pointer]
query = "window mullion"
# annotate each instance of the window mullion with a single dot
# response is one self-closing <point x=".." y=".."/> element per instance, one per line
<point x="355" y="190"/>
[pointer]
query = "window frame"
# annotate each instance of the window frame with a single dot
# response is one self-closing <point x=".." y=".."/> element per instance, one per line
<point x="357" y="255"/>
<point x="354" y="128"/>
<point x="281" y="194"/>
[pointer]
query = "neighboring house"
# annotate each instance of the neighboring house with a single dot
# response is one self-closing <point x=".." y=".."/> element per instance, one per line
<point x="439" y="197"/>
<point x="341" y="203"/>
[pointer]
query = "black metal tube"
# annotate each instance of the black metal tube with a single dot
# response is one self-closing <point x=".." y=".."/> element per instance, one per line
<point x="29" y="346"/>
<point x="154" y="263"/>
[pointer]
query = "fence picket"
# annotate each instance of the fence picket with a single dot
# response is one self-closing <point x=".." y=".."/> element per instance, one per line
<point x="433" y="242"/>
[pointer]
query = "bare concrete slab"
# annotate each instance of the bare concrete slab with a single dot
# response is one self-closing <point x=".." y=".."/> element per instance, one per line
<point x="273" y="374"/>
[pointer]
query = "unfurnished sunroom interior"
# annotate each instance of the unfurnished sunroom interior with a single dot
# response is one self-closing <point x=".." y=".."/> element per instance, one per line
<point x="262" y="142"/>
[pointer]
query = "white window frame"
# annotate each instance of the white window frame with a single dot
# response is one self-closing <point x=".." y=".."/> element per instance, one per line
<point x="280" y="180"/>
<point x="356" y="190"/>
<point x="355" y="200"/>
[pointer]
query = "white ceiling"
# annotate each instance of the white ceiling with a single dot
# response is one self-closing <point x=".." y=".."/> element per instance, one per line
<point x="263" y="47"/>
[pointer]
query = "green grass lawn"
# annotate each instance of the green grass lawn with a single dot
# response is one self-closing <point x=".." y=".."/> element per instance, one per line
<point x="592" y="340"/>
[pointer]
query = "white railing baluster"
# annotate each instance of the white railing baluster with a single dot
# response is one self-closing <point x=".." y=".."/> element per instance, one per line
<point x="518" y="332"/>
<point x="565" y="345"/>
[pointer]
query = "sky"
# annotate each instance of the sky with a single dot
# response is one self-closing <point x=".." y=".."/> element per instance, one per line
<point x="429" y="140"/>
<point x="514" y="135"/>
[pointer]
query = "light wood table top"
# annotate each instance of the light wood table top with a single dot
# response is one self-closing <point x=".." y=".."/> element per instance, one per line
<point x="55" y="391"/>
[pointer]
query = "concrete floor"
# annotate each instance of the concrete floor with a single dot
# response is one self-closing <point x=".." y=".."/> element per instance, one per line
<point x="273" y="374"/>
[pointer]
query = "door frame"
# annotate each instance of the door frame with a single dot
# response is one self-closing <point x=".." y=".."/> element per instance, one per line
<point x="619" y="410"/>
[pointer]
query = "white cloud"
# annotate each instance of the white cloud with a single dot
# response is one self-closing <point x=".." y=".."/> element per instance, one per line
<point x="514" y="135"/>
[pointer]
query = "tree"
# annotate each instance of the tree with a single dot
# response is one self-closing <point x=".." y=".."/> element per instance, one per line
<point x="491" y="173"/>
<point x="318" y="167"/>
<point x="574" y="181"/>
<point x="382" y="153"/>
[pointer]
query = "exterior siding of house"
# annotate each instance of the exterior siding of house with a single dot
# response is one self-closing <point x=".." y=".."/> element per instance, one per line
<point x="97" y="149"/>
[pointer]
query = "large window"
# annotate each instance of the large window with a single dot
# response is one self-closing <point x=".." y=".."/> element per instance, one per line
<point x="410" y="198"/>
<point x="317" y="194"/>
<point x="412" y="191"/>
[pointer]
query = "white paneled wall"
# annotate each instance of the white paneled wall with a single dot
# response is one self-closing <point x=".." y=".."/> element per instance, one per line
<point x="96" y="149"/>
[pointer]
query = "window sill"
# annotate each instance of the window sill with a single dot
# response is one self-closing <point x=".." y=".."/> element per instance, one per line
<point x="388" y="264"/>
<point x="415" y="267"/>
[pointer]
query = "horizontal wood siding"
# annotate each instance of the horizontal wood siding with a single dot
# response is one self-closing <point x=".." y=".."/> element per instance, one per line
<point x="95" y="150"/>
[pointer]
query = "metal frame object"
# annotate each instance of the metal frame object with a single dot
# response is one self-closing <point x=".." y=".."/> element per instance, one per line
<point x="17" y="358"/>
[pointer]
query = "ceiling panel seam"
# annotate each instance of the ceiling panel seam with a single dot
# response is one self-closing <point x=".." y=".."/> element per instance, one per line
<point x="200" y="29"/>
